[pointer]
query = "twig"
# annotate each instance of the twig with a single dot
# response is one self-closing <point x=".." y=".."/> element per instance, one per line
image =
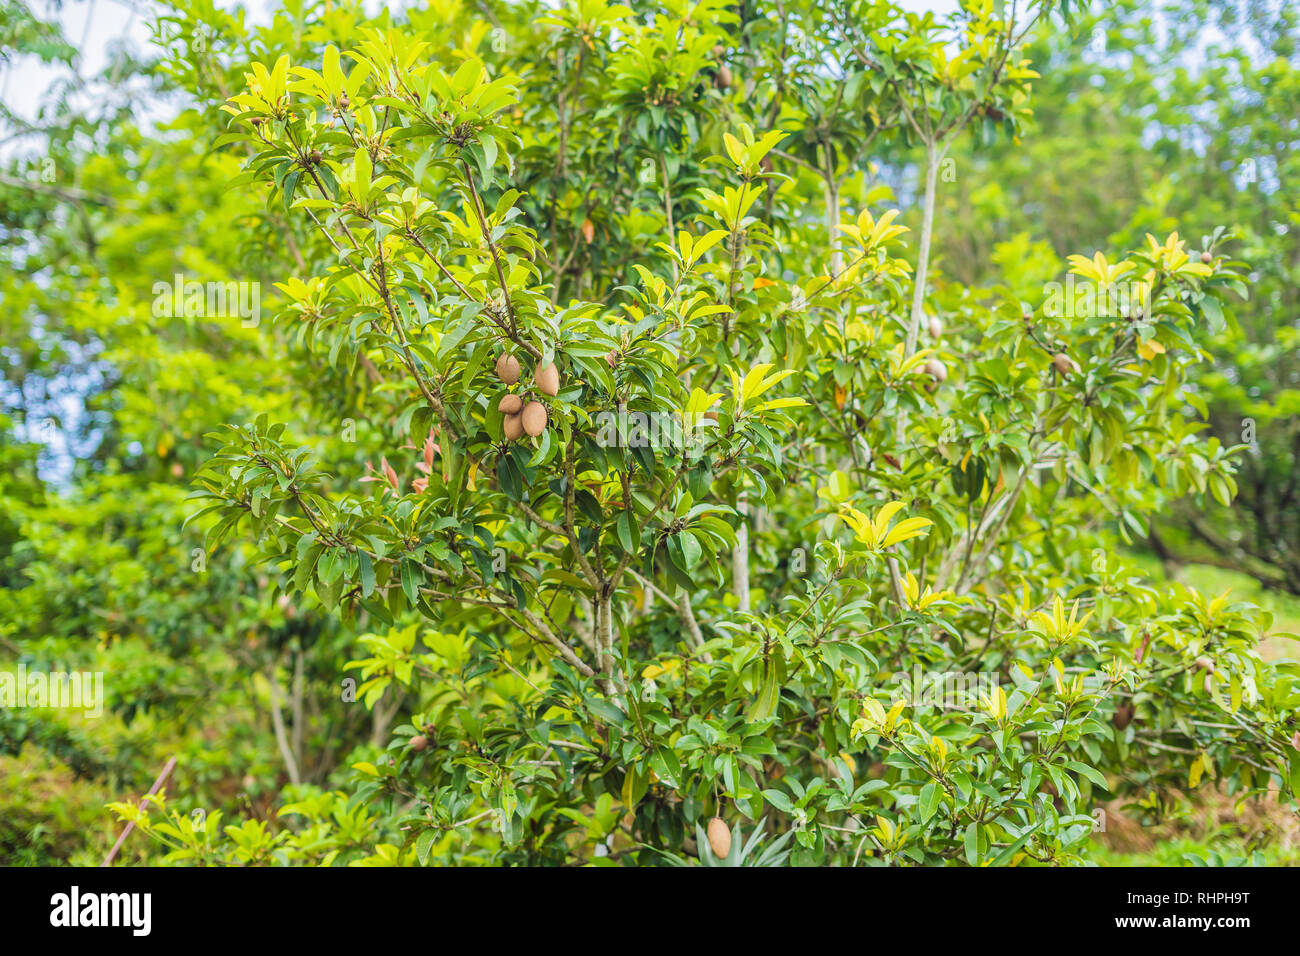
<point x="157" y="785"/>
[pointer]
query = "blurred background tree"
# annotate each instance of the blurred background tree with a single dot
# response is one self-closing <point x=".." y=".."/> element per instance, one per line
<point x="1147" y="116"/>
<point x="106" y="190"/>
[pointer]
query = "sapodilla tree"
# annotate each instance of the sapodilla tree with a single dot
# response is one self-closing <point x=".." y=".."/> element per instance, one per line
<point x="584" y="671"/>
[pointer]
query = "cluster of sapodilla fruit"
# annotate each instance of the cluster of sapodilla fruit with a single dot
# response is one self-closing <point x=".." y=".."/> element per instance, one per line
<point x="525" y="418"/>
<point x="529" y="417"/>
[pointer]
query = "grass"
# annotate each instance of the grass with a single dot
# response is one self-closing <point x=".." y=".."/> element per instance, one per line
<point x="1213" y="829"/>
<point x="1213" y="581"/>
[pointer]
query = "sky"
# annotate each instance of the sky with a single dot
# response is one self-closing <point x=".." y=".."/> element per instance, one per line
<point x="94" y="27"/>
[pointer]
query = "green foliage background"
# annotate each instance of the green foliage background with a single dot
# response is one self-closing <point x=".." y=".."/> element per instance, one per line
<point x="293" y="548"/>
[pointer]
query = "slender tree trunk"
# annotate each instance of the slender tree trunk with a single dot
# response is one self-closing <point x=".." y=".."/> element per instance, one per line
<point x="833" y="212"/>
<point x="932" y="159"/>
<point x="299" y="690"/>
<point x="382" y="717"/>
<point x="832" y="215"/>
<point x="740" y="559"/>
<point x="605" y="640"/>
<point x="277" y="722"/>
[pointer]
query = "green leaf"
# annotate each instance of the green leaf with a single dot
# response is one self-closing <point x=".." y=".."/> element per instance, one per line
<point x="972" y="844"/>
<point x="410" y="586"/>
<point x="367" y="574"/>
<point x="423" y="844"/>
<point x="606" y="711"/>
<point x="928" y="802"/>
<point x="779" y="800"/>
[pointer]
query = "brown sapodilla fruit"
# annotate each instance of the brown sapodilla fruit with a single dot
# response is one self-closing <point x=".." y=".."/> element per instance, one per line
<point x="534" y="418"/>
<point x="1205" y="664"/>
<point x="1295" y="740"/>
<point x="510" y="405"/>
<point x="723" y="79"/>
<point x="1123" y="715"/>
<point x="419" y="742"/>
<point x="1064" y="364"/>
<point x="936" y="327"/>
<point x="1207" y="258"/>
<point x="547" y="378"/>
<point x="508" y="369"/>
<point x="513" y="426"/>
<point x="719" y="838"/>
<point x="936" y="369"/>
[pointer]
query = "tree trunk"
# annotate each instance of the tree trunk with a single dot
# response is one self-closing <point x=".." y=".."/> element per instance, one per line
<point x="932" y="159"/>
<point x="740" y="559"/>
